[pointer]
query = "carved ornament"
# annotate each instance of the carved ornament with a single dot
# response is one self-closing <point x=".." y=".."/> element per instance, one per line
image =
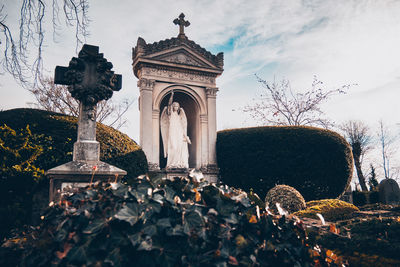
<point x="146" y="84"/>
<point x="211" y="91"/>
<point x="89" y="76"/>
<point x="179" y="75"/>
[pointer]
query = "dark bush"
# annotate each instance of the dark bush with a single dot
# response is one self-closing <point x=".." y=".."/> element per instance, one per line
<point x="317" y="162"/>
<point x="18" y="177"/>
<point x="360" y="198"/>
<point x="162" y="223"/>
<point x="373" y="197"/>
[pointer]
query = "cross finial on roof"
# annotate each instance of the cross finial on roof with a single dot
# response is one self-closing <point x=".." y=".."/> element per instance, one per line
<point x="182" y="23"/>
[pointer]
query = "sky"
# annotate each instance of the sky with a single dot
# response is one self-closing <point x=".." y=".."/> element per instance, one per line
<point x="339" y="41"/>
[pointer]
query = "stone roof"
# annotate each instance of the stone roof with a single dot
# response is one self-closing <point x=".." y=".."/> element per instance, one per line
<point x="144" y="49"/>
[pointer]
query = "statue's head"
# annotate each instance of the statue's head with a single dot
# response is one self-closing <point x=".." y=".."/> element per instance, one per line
<point x="175" y="106"/>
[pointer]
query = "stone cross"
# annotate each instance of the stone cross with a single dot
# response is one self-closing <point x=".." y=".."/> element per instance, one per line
<point x="90" y="80"/>
<point x="182" y="24"/>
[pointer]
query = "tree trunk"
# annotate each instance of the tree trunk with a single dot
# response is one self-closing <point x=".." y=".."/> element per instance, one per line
<point x="360" y="175"/>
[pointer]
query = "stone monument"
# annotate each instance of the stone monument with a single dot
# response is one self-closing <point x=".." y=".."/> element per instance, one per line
<point x="90" y="80"/>
<point x="182" y="68"/>
<point x="389" y="192"/>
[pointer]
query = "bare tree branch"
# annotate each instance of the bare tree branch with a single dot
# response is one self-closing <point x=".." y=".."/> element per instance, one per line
<point x="15" y="57"/>
<point x="56" y="98"/>
<point x="388" y="150"/>
<point x="278" y="104"/>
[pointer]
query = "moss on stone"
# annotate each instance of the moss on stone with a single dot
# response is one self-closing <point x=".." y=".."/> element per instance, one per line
<point x="330" y="209"/>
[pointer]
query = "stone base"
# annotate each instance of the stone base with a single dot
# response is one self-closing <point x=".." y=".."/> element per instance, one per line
<point x="210" y="174"/>
<point x="79" y="173"/>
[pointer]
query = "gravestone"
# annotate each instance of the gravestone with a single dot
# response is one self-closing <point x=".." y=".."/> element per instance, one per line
<point x="179" y="69"/>
<point x="389" y="192"/>
<point x="90" y="80"/>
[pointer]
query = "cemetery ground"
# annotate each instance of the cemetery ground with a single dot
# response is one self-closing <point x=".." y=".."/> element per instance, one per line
<point x="167" y="220"/>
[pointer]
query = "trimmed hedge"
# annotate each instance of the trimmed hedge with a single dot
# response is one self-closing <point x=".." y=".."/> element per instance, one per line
<point x="317" y="162"/>
<point x="59" y="134"/>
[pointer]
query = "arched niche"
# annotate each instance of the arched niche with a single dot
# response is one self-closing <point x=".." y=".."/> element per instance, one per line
<point x="192" y="111"/>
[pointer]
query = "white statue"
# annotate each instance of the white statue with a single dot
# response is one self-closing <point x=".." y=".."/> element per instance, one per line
<point x="174" y="135"/>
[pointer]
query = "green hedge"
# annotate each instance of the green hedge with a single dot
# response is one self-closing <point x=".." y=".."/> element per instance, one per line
<point x="317" y="162"/>
<point x="59" y="133"/>
<point x="33" y="141"/>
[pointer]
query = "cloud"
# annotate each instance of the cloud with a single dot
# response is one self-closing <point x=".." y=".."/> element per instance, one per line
<point x="352" y="41"/>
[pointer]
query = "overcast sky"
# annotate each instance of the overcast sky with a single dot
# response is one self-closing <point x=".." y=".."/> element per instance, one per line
<point x="340" y="42"/>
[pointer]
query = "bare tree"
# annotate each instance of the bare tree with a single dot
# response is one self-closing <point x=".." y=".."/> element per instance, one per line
<point x="357" y="134"/>
<point x="56" y="98"/>
<point x="280" y="105"/>
<point x="30" y="35"/>
<point x="387" y="142"/>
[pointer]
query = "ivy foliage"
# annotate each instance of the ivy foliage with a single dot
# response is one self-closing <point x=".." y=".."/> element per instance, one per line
<point x="157" y="222"/>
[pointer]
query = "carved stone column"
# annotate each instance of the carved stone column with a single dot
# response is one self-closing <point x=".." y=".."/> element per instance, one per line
<point x="204" y="140"/>
<point x="212" y="124"/>
<point x="146" y="87"/>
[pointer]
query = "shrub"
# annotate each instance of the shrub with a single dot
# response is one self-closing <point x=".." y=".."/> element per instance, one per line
<point x="60" y="132"/>
<point x="360" y="198"/>
<point x="330" y="209"/>
<point x="288" y="198"/>
<point x="373" y="197"/>
<point x="317" y="162"/>
<point x="18" y="177"/>
<point x="161" y="223"/>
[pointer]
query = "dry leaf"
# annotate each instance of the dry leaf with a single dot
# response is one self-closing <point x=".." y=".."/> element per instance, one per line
<point x="333" y="229"/>
<point x="233" y="261"/>
<point x="67" y="247"/>
<point x="198" y="195"/>
<point x="253" y="219"/>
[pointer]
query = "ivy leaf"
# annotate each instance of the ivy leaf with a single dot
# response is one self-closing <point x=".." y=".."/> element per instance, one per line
<point x="176" y="231"/>
<point x="164" y="223"/>
<point x="114" y="258"/>
<point x="150" y="230"/>
<point x="128" y="213"/>
<point x="94" y="226"/>
<point x="121" y="191"/>
<point x="146" y="245"/>
<point x="194" y="219"/>
<point x="135" y="239"/>
<point x="77" y="255"/>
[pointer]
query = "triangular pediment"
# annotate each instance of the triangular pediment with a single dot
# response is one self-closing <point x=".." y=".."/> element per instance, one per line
<point x="182" y="56"/>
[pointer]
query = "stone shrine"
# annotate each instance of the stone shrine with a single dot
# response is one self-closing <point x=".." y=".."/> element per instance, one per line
<point x="180" y="68"/>
<point x="90" y="80"/>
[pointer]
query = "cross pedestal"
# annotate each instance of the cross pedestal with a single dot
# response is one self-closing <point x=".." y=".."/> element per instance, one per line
<point x="90" y="80"/>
